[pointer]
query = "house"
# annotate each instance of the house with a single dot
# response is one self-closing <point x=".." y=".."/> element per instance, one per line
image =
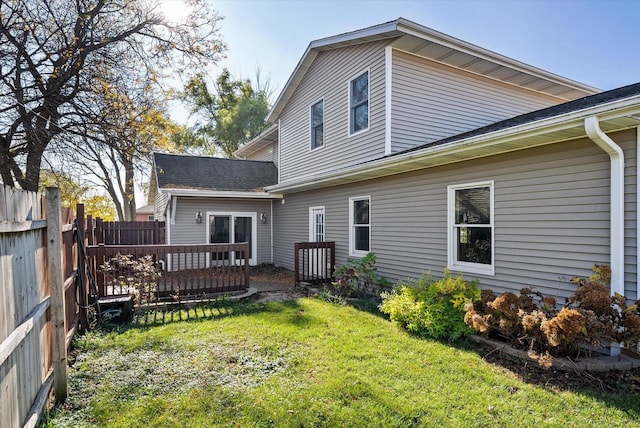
<point x="432" y="152"/>
<point x="145" y="213"/>
<point x="212" y="200"/>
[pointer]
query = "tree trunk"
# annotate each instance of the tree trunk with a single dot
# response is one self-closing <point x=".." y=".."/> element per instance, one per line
<point x="129" y="196"/>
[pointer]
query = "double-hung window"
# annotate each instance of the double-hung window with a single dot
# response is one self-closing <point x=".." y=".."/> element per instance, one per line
<point x="359" y="225"/>
<point x="470" y="222"/>
<point x="317" y="125"/>
<point x="359" y="103"/>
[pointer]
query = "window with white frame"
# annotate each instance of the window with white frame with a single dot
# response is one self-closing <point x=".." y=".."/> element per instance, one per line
<point x="359" y="103"/>
<point x="360" y="225"/>
<point x="317" y="124"/>
<point x="470" y="222"/>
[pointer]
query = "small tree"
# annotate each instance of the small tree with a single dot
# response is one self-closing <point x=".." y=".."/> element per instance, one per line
<point x="137" y="277"/>
<point x="228" y="117"/>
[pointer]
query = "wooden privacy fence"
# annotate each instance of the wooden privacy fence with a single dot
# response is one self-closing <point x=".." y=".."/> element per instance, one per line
<point x="314" y="262"/>
<point x="186" y="271"/>
<point x="128" y="232"/>
<point x="38" y="314"/>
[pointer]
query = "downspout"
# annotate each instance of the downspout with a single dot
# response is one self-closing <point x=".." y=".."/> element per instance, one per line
<point x="592" y="128"/>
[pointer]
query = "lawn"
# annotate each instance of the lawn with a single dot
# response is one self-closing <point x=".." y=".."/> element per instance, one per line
<point x="305" y="363"/>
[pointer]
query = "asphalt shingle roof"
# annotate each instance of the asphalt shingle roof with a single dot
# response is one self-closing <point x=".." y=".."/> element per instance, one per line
<point x="209" y="173"/>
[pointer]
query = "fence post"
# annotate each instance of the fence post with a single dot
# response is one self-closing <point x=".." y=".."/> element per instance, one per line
<point x="246" y="265"/>
<point x="54" y="256"/>
<point x="333" y="260"/>
<point x="99" y="232"/>
<point x="82" y="271"/>
<point x="296" y="261"/>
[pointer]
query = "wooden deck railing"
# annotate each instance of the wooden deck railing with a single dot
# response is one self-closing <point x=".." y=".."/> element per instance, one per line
<point x="314" y="261"/>
<point x="186" y="271"/>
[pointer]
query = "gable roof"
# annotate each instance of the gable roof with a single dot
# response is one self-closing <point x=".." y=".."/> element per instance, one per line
<point x="183" y="172"/>
<point x="617" y="109"/>
<point x="266" y="137"/>
<point x="423" y="41"/>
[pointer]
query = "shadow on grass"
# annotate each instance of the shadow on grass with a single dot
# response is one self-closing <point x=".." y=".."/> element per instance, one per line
<point x="214" y="310"/>
<point x="619" y="389"/>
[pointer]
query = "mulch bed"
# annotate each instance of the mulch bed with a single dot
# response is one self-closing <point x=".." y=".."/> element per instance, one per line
<point x="614" y="381"/>
<point x="270" y="273"/>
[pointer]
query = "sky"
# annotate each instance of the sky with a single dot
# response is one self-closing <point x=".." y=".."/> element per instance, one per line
<point x="592" y="42"/>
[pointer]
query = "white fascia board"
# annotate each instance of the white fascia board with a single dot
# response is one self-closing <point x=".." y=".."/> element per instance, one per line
<point x="618" y="108"/>
<point x="224" y="194"/>
<point x="364" y="33"/>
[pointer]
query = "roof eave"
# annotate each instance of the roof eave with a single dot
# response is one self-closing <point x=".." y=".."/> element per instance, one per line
<point x="412" y="28"/>
<point x="222" y="193"/>
<point x="265" y="138"/>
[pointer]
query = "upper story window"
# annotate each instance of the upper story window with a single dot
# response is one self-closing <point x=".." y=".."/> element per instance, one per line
<point x="359" y="103"/>
<point x="470" y="209"/>
<point x="360" y="225"/>
<point x="317" y="124"/>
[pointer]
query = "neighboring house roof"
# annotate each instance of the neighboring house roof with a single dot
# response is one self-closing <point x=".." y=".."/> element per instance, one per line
<point x="201" y="173"/>
<point x="428" y="43"/>
<point x="147" y="209"/>
<point x="265" y="138"/>
<point x="616" y="109"/>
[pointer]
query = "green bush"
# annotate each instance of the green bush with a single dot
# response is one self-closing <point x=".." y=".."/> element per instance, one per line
<point x="358" y="276"/>
<point x="429" y="308"/>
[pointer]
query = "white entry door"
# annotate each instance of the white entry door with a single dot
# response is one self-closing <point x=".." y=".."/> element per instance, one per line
<point x="317" y="265"/>
<point x="232" y="228"/>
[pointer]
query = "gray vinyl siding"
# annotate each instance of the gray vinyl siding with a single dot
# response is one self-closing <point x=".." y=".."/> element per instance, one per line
<point x="328" y="79"/>
<point x="431" y="101"/>
<point x="187" y="231"/>
<point x="551" y="217"/>
<point x="268" y="153"/>
<point x="159" y="205"/>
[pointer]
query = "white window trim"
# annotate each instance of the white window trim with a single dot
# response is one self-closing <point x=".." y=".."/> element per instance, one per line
<point x="349" y="133"/>
<point x="253" y="259"/>
<point x="452" y="263"/>
<point x="312" y="234"/>
<point x="352" y="243"/>
<point x="311" y="148"/>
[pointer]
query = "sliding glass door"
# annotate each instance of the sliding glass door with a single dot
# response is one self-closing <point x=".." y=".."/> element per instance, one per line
<point x="232" y="228"/>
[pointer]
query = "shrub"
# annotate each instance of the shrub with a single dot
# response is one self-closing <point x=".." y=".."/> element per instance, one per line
<point x="137" y="277"/>
<point x="429" y="308"/>
<point x="532" y="321"/>
<point x="358" y="276"/>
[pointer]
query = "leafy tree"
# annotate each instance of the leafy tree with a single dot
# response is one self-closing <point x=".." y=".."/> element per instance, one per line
<point x="75" y="191"/>
<point x="72" y="191"/>
<point x="100" y="206"/>
<point x="52" y="53"/>
<point x="130" y="122"/>
<point x="228" y="117"/>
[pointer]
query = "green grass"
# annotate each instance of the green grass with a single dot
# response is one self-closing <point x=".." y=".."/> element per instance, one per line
<point x="305" y="363"/>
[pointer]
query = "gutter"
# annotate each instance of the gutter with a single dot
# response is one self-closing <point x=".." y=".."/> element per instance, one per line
<point x="592" y="128"/>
